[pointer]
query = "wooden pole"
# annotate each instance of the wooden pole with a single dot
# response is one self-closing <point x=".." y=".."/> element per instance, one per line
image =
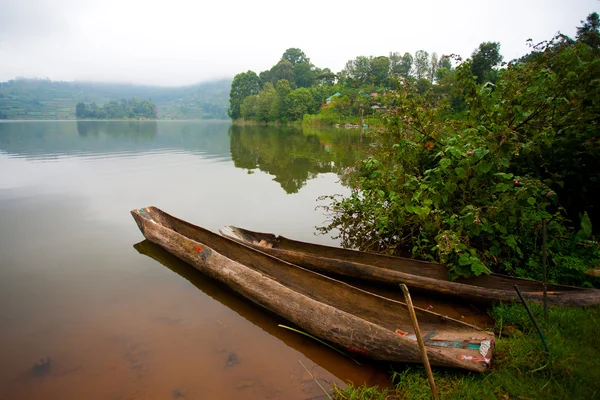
<point x="415" y="323"/>
<point x="545" y="281"/>
<point x="533" y="320"/>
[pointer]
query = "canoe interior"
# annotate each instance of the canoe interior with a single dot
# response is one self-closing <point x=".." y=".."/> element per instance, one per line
<point x="376" y="309"/>
<point x="401" y="264"/>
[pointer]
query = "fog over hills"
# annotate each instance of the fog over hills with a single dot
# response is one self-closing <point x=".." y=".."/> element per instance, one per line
<point x="23" y="98"/>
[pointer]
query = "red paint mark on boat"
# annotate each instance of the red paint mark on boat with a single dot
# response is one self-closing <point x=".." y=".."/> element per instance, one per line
<point x="471" y="358"/>
<point x="198" y="248"/>
<point x="401" y="333"/>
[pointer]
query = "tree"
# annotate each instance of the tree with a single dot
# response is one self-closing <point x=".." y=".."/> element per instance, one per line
<point x="484" y="59"/>
<point x="298" y="103"/>
<point x="444" y="70"/>
<point x="295" y="56"/>
<point x="244" y="84"/>
<point x="324" y="77"/>
<point x="265" y="76"/>
<point x="421" y="64"/>
<point x="304" y="75"/>
<point x="406" y="65"/>
<point x="80" y="110"/>
<point x="379" y="70"/>
<point x="423" y="85"/>
<point x="282" y="70"/>
<point x="395" y="59"/>
<point x="358" y="70"/>
<point x="266" y="97"/>
<point x="133" y="108"/>
<point x="283" y="88"/>
<point x="433" y="67"/>
<point x="445" y="63"/>
<point x="589" y="33"/>
<point x="249" y="107"/>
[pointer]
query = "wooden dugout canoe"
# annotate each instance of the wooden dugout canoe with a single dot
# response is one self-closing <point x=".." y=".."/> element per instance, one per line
<point x="333" y="311"/>
<point x="420" y="275"/>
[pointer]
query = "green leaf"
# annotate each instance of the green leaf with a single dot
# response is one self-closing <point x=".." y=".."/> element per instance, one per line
<point x="464" y="259"/>
<point x="480" y="153"/>
<point x="511" y="242"/>
<point x="531" y="200"/>
<point x="450" y="187"/>
<point x="461" y="172"/>
<point x="502" y="187"/>
<point x="501" y="228"/>
<point x="454" y="152"/>
<point x="478" y="268"/>
<point x="445" y="163"/>
<point x="504" y="175"/>
<point x="484" y="167"/>
<point x="586" y="225"/>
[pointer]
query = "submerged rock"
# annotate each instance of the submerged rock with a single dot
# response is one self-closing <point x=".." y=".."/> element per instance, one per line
<point x="232" y="359"/>
<point x="42" y="367"/>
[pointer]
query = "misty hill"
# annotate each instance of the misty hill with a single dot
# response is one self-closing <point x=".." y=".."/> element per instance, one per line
<point x="46" y="99"/>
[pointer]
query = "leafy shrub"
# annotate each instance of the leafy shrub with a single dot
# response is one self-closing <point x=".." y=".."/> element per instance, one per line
<point x="472" y="189"/>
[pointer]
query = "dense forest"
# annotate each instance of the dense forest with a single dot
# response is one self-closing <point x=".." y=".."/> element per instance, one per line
<point x="124" y="109"/>
<point x="294" y="88"/>
<point x="46" y="99"/>
<point x="474" y="169"/>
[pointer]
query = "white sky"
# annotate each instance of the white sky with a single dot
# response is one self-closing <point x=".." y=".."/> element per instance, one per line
<point x="182" y="42"/>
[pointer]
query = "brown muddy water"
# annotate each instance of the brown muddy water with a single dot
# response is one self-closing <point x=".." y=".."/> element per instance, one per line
<point x="116" y="317"/>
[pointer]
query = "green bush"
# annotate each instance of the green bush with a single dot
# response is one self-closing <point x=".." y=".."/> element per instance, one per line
<point x="472" y="189"/>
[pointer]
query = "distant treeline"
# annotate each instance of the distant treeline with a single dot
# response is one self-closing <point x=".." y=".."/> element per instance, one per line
<point x="124" y="109"/>
<point x="294" y="89"/>
<point x="44" y="99"/>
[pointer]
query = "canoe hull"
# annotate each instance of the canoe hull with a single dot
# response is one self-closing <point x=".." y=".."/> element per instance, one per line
<point x="322" y="320"/>
<point x="420" y="275"/>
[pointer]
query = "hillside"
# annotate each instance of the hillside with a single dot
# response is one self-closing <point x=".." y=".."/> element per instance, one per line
<point x="46" y="99"/>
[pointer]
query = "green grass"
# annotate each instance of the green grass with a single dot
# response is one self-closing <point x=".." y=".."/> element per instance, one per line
<point x="521" y="369"/>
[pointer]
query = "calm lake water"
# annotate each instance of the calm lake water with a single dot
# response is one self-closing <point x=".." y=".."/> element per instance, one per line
<point x="118" y="317"/>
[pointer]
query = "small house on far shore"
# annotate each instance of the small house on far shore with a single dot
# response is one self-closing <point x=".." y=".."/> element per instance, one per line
<point x="330" y="98"/>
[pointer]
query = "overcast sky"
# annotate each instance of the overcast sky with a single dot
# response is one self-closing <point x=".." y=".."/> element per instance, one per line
<point x="179" y="42"/>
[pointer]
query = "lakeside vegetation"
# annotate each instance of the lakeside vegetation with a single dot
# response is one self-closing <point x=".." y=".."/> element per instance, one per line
<point x="466" y="172"/>
<point x="124" y="109"/>
<point x="296" y="90"/>
<point x="469" y="173"/>
<point x="45" y="99"/>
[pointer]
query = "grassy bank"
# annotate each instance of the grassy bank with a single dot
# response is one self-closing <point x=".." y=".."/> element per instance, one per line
<point x="521" y="369"/>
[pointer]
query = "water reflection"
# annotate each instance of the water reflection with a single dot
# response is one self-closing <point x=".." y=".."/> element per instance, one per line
<point x="333" y="363"/>
<point x="47" y="140"/>
<point x="130" y="129"/>
<point x="294" y="155"/>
